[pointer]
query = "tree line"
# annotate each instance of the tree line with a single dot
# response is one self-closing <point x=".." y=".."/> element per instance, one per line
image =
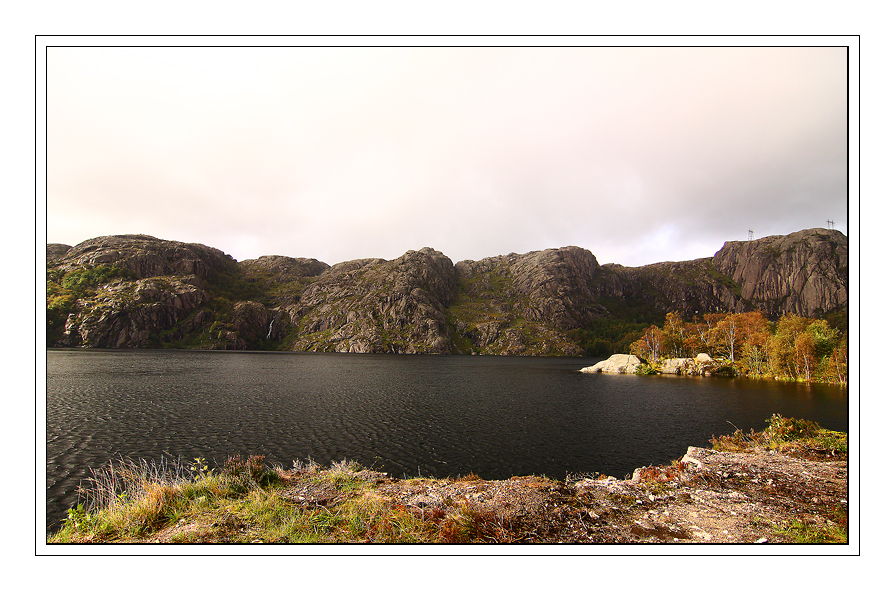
<point x="791" y="348"/>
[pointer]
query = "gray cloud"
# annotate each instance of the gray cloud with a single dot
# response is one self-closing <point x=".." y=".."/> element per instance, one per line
<point x="639" y="154"/>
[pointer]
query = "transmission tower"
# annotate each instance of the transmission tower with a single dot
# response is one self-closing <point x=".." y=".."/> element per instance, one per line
<point x="831" y="224"/>
<point x="751" y="234"/>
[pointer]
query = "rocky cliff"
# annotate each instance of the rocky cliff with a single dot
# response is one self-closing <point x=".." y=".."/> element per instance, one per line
<point x="376" y="306"/>
<point x="524" y="304"/>
<point x="139" y="291"/>
<point x="804" y="273"/>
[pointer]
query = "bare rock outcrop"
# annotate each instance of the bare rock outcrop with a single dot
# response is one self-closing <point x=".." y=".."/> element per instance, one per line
<point x="282" y="269"/>
<point x="147" y="256"/>
<point x="701" y="365"/>
<point x="56" y="251"/>
<point x="550" y="286"/>
<point x="804" y="273"/>
<point x="525" y="303"/>
<point x="618" y="363"/>
<point x="133" y="314"/>
<point x="378" y="306"/>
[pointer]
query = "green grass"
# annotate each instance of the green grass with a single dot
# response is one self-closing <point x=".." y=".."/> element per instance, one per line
<point x="801" y="531"/>
<point x="249" y="502"/>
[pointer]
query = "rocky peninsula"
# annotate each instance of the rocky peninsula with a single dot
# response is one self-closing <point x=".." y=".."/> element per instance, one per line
<point x="701" y="365"/>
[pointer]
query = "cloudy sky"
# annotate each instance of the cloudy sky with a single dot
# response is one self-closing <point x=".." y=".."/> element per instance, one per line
<point x="639" y="154"/>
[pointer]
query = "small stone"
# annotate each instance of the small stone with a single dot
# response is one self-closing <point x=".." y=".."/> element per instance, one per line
<point x="761" y="541"/>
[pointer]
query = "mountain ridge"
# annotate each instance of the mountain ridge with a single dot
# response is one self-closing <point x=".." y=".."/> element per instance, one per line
<point x="136" y="291"/>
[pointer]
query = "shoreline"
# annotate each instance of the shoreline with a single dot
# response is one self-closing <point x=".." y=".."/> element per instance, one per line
<point x="742" y="492"/>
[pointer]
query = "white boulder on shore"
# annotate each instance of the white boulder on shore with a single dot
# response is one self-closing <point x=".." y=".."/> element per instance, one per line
<point x="701" y="365"/>
<point x="618" y="363"/>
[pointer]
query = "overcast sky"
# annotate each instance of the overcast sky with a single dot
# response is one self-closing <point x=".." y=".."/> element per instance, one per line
<point x="640" y="155"/>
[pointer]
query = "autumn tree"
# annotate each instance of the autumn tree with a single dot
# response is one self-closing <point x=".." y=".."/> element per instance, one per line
<point x="675" y="334"/>
<point x="708" y="334"/>
<point x="649" y="346"/>
<point x="794" y="347"/>
<point x="755" y="344"/>
<point x="836" y="366"/>
<point x="726" y="334"/>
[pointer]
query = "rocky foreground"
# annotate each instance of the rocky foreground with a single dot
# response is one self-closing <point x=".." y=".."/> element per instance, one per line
<point x="708" y="496"/>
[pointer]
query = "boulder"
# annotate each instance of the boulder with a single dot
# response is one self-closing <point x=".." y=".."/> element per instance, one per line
<point x="618" y="363"/>
<point x="678" y="366"/>
<point x="702" y="365"/>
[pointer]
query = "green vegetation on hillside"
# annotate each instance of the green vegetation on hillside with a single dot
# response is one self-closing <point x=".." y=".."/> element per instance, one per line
<point x="486" y="317"/>
<point x="606" y="336"/>
<point x="232" y="285"/>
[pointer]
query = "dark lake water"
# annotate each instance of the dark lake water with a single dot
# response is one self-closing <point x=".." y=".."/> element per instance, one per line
<point x="406" y="415"/>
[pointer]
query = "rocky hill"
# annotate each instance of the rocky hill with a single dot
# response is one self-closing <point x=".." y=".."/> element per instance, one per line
<point x="138" y="291"/>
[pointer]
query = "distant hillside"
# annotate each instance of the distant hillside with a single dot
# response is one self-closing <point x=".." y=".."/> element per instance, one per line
<point x="136" y="291"/>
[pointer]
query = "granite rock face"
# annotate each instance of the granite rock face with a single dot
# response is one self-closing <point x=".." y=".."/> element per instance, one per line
<point x="804" y="273"/>
<point x="523" y="304"/>
<point x="281" y="269"/>
<point x="701" y="365"/>
<point x="549" y="286"/>
<point x="56" y="251"/>
<point x="377" y="306"/>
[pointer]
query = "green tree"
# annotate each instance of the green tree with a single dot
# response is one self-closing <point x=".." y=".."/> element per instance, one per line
<point x="783" y="354"/>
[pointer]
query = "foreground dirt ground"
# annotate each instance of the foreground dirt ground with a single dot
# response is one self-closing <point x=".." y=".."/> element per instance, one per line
<point x="714" y="497"/>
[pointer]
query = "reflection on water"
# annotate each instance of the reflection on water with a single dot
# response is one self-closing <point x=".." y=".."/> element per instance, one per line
<point x="428" y="415"/>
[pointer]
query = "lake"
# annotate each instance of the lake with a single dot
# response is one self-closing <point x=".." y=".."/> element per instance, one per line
<point x="410" y="415"/>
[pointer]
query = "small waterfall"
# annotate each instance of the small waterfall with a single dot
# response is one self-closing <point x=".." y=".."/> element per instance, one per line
<point x="270" y="328"/>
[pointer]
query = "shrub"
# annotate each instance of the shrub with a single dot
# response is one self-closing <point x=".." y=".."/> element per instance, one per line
<point x="250" y="471"/>
<point x="793" y="435"/>
<point x="781" y="429"/>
